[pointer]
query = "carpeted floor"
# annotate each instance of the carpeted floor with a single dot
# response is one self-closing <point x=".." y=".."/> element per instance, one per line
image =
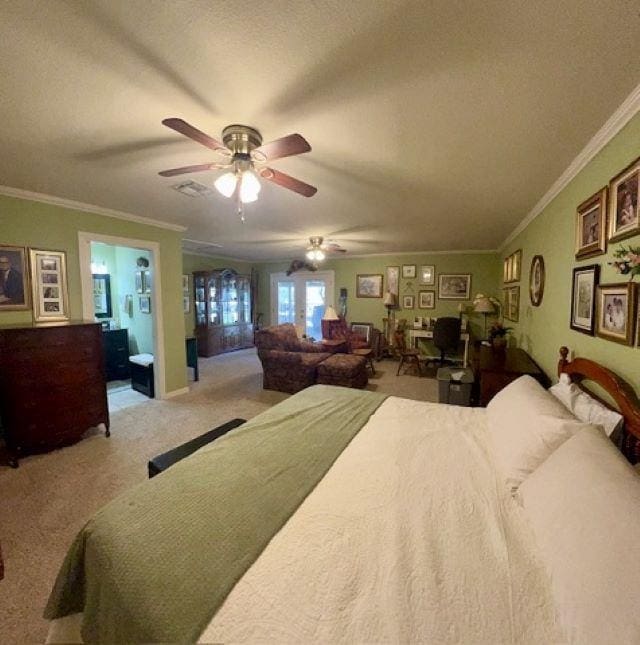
<point x="47" y="500"/>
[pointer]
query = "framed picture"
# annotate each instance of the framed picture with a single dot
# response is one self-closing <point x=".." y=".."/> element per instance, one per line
<point x="623" y="203"/>
<point x="14" y="278"/>
<point x="185" y="284"/>
<point x="393" y="281"/>
<point x="145" y="304"/>
<point x="616" y="312"/>
<point x="591" y="222"/>
<point x="362" y="329"/>
<point x="408" y="270"/>
<point x="427" y="274"/>
<point x="536" y="280"/>
<point x="426" y="300"/>
<point x="369" y="285"/>
<point x="139" y="285"/>
<point x="583" y="298"/>
<point x="49" y="285"/>
<point x="454" y="286"/>
<point x="506" y="270"/>
<point x="516" y="265"/>
<point x="186" y="299"/>
<point x="512" y="304"/>
<point x="186" y="304"/>
<point x="146" y="281"/>
<point x="407" y="302"/>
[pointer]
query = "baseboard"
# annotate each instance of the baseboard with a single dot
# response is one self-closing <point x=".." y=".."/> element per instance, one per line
<point x="182" y="390"/>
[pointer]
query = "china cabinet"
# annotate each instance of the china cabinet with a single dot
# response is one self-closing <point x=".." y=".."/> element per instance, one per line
<point x="222" y="311"/>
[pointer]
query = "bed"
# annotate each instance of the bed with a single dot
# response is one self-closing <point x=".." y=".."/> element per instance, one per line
<point x="347" y="516"/>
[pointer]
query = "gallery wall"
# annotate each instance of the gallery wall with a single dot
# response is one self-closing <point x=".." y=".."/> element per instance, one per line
<point x="51" y="227"/>
<point x="542" y="330"/>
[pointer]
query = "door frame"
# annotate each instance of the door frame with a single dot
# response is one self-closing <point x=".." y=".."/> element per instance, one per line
<point x="329" y="275"/>
<point x="84" y="251"/>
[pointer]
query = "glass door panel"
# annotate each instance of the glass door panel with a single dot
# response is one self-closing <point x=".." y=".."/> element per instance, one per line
<point x="201" y="315"/>
<point x="286" y="302"/>
<point x="315" y="304"/>
<point x="214" y="313"/>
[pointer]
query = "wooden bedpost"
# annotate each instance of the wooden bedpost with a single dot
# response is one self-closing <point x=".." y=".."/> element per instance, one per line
<point x="564" y="354"/>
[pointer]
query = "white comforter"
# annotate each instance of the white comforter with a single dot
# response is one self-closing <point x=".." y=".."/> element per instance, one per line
<point x="408" y="538"/>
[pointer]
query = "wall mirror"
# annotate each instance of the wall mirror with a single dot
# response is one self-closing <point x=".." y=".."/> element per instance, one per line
<point x="102" y="295"/>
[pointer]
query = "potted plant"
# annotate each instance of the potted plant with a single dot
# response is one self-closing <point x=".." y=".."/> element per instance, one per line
<point x="498" y="336"/>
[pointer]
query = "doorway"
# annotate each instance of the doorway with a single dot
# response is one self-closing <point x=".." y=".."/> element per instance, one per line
<point x="301" y="299"/>
<point x="120" y="289"/>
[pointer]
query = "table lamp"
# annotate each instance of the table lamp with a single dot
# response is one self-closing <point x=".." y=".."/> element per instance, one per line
<point x="483" y="305"/>
<point x="330" y="314"/>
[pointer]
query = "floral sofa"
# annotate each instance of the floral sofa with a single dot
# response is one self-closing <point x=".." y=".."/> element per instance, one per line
<point x="289" y="363"/>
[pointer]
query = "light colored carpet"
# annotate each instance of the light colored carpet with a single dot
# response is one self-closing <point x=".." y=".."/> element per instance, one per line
<point x="48" y="499"/>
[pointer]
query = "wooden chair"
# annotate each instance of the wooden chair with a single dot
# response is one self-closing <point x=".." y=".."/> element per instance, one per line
<point x="407" y="355"/>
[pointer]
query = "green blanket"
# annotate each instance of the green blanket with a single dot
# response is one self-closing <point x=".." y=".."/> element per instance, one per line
<point x="157" y="562"/>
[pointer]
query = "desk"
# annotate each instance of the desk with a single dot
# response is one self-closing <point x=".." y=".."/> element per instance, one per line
<point x="414" y="334"/>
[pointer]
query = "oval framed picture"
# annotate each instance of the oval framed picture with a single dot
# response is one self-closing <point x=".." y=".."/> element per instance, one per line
<point x="536" y="280"/>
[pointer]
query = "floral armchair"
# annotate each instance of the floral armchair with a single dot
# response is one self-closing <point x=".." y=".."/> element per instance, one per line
<point x="289" y="364"/>
<point x="341" y="330"/>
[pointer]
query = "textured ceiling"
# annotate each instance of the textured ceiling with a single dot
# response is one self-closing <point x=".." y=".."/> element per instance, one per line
<point x="434" y="125"/>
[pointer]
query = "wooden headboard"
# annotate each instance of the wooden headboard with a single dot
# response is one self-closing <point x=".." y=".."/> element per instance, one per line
<point x="624" y="396"/>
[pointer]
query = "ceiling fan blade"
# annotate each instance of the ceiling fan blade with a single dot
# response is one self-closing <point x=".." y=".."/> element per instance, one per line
<point x="293" y="144"/>
<point x="286" y="181"/>
<point x="197" y="168"/>
<point x="193" y="133"/>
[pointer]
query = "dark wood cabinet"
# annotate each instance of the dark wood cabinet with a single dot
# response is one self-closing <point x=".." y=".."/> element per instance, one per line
<point x="494" y="370"/>
<point x="222" y="311"/>
<point x="116" y="354"/>
<point x="52" y="385"/>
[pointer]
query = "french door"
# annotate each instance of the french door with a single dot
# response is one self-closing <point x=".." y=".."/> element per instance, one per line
<point x="301" y="299"/>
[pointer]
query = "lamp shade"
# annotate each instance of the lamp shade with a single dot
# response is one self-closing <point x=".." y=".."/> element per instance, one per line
<point x="330" y="314"/>
<point x="389" y="299"/>
<point x="483" y="305"/>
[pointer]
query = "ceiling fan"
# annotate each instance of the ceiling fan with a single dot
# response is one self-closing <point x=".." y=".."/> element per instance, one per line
<point x="246" y="156"/>
<point x="318" y="249"/>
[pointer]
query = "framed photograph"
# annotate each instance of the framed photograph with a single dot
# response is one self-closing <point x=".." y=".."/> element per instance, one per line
<point x="14" y="278"/>
<point x="185" y="284"/>
<point x="536" y="280"/>
<point x="407" y="302"/>
<point x="616" y="312"/>
<point x="516" y="266"/>
<point x="49" y="285"/>
<point x="427" y="274"/>
<point x="591" y="224"/>
<point x="454" y="286"/>
<point x="426" y="300"/>
<point x="146" y="281"/>
<point x="623" y="203"/>
<point x="139" y="285"/>
<point x="512" y="304"/>
<point x="186" y="304"/>
<point x="145" y="304"/>
<point x="369" y="285"/>
<point x="583" y="298"/>
<point x="506" y="270"/>
<point x="393" y="281"/>
<point x="408" y="270"/>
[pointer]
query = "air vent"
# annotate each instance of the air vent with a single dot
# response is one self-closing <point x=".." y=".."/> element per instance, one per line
<point x="192" y="189"/>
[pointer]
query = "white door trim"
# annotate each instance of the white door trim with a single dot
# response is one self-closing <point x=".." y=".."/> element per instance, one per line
<point x="84" y="252"/>
<point x="328" y="275"/>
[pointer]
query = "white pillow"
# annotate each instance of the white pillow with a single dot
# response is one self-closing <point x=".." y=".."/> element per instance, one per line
<point x="526" y="425"/>
<point x="583" y="504"/>
<point x="584" y="407"/>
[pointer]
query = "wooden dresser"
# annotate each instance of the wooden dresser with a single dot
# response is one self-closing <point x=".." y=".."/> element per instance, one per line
<point x="52" y="385"/>
<point x="495" y="370"/>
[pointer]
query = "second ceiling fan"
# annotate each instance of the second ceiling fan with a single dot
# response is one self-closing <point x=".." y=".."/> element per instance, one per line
<point x="247" y="157"/>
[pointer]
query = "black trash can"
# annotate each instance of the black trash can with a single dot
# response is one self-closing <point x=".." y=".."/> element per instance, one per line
<point x="454" y="385"/>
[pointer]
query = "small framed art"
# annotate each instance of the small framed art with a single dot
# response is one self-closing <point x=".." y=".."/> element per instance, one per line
<point x="426" y="300"/>
<point x="408" y="270"/>
<point x="139" y="282"/>
<point x="407" y="302"/>
<point x="146" y="281"/>
<point x="14" y="278"/>
<point x="536" y="280"/>
<point x="583" y="298"/>
<point x="369" y="285"/>
<point x="393" y="281"/>
<point x="49" y="286"/>
<point x="454" y="286"/>
<point x="512" y="304"/>
<point x="591" y="223"/>
<point x="616" y="312"/>
<point x="186" y="298"/>
<point x="624" y="189"/>
<point x="427" y="274"/>
<point x="145" y="304"/>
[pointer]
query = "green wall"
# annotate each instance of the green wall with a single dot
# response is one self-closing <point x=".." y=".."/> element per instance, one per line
<point x="542" y="330"/>
<point x="485" y="269"/>
<point x="191" y="263"/>
<point x="29" y="223"/>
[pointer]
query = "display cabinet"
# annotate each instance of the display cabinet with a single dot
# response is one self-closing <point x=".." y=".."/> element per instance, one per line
<point x="222" y="311"/>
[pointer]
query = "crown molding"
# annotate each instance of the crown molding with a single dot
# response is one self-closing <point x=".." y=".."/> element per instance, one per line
<point x="87" y="208"/>
<point x="217" y="257"/>
<point x="629" y="108"/>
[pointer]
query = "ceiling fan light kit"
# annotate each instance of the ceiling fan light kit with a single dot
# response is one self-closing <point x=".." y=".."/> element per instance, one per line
<point x="244" y="148"/>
